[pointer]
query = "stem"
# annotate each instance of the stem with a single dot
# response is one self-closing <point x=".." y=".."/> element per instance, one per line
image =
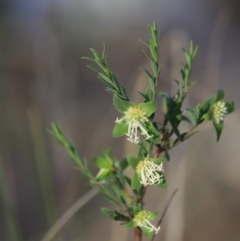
<point x="138" y="234"/>
<point x="165" y="210"/>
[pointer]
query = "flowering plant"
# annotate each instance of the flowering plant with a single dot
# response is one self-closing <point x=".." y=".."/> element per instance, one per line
<point x="138" y="124"/>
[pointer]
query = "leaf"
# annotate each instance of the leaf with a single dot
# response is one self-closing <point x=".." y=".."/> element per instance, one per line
<point x="121" y="105"/>
<point x="151" y="85"/>
<point x="208" y="105"/>
<point x="153" y="130"/>
<point x="133" y="161"/>
<point x="123" y="164"/>
<point x="108" y="212"/>
<point x="131" y="224"/>
<point x="144" y="70"/>
<point x="220" y="95"/>
<point x="218" y="128"/>
<point x="230" y="107"/>
<point x="163" y="184"/>
<point x="106" y="79"/>
<point x="135" y="184"/>
<point x="149" y="107"/>
<point x="103" y="174"/>
<point x="153" y="215"/>
<point x="104" y="163"/>
<point x="95" y="53"/>
<point x="120" y="129"/>
<point x="154" y="68"/>
<point x="147" y="233"/>
<point x="153" y="52"/>
<point x="158" y="160"/>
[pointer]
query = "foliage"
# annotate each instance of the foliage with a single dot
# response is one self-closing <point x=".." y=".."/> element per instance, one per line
<point x="139" y="126"/>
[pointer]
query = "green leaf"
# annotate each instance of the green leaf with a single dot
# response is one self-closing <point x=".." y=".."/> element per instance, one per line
<point x="158" y="160"/>
<point x="148" y="108"/>
<point x="208" y="105"/>
<point x="151" y="85"/>
<point x="208" y="116"/>
<point x="131" y="224"/>
<point x="95" y="53"/>
<point x="220" y="95"/>
<point x="147" y="233"/>
<point x="104" y="163"/>
<point x="153" y="52"/>
<point x="153" y="215"/>
<point x="108" y="212"/>
<point x="144" y="70"/>
<point x="106" y="79"/>
<point x="103" y="174"/>
<point x="218" y="128"/>
<point x="230" y="107"/>
<point x="153" y="130"/>
<point x="123" y="164"/>
<point x="121" y="105"/>
<point x="133" y="161"/>
<point x="120" y="129"/>
<point x="154" y="68"/>
<point x="163" y="184"/>
<point x="136" y="181"/>
<point x="136" y="208"/>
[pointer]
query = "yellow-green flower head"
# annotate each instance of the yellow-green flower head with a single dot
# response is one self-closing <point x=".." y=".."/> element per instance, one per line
<point x="150" y="172"/>
<point x="219" y="111"/>
<point x="134" y="120"/>
<point x="142" y="219"/>
<point x="147" y="171"/>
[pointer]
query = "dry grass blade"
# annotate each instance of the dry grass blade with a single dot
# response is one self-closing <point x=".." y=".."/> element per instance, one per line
<point x="69" y="214"/>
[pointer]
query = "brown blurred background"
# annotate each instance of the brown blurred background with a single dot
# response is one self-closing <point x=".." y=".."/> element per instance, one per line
<point x="44" y="80"/>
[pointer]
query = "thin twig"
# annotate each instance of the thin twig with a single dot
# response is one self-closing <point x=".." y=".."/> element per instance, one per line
<point x="69" y="214"/>
<point x="165" y="210"/>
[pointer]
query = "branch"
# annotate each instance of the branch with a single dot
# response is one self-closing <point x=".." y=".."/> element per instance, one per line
<point x="165" y="210"/>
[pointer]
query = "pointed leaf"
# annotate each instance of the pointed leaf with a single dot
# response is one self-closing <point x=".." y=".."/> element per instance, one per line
<point x="102" y="162"/>
<point x="148" y="108"/>
<point x="218" y="127"/>
<point x="220" y="95"/>
<point x="133" y="161"/>
<point x="147" y="233"/>
<point x="120" y="129"/>
<point x="121" y="105"/>
<point x="108" y="212"/>
<point x="230" y="107"/>
<point x="131" y="224"/>
<point x="136" y="181"/>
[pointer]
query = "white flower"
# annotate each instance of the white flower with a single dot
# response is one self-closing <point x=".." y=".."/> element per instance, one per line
<point x="135" y="118"/>
<point x="149" y="172"/>
<point x="219" y="111"/>
<point x="142" y="219"/>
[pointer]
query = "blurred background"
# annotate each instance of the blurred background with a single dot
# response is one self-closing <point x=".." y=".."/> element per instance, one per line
<point x="44" y="80"/>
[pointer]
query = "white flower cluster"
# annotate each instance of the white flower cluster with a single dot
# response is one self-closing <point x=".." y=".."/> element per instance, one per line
<point x="142" y="220"/>
<point x="149" y="172"/>
<point x="219" y="111"/>
<point x="135" y="118"/>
